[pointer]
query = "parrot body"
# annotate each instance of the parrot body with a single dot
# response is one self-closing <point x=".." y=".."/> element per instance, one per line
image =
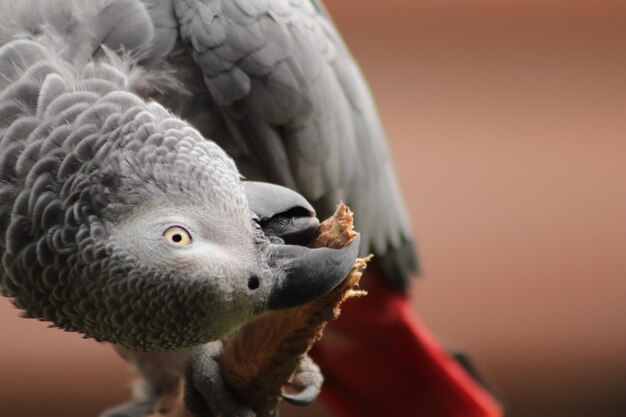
<point x="96" y="174"/>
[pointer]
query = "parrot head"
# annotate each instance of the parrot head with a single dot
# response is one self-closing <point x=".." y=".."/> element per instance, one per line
<point x="158" y="244"/>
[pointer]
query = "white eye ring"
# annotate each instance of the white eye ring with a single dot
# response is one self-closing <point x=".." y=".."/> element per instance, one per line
<point x="177" y="236"/>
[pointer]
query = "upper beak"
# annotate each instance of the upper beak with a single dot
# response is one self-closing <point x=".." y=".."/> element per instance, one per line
<point x="303" y="275"/>
<point x="282" y="213"/>
<point x="300" y="274"/>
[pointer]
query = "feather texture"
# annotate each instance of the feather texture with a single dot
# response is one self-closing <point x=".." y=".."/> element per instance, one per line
<point x="79" y="151"/>
<point x="85" y="138"/>
<point x="295" y="108"/>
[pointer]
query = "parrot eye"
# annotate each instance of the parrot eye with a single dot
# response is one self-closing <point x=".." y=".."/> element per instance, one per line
<point x="177" y="236"/>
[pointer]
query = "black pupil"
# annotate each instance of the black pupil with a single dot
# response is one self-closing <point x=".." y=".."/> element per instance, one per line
<point x="177" y="238"/>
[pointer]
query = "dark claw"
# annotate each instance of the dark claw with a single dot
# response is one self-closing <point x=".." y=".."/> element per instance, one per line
<point x="308" y="380"/>
<point x="304" y="397"/>
<point x="206" y="394"/>
<point x="308" y="274"/>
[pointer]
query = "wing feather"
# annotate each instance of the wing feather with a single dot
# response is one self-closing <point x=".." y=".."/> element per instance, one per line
<point x="297" y="109"/>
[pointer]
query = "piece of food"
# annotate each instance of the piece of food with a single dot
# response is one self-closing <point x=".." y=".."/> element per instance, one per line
<point x="262" y="356"/>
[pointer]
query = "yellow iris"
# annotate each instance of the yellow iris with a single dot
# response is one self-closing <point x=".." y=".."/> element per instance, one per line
<point x="177" y="236"/>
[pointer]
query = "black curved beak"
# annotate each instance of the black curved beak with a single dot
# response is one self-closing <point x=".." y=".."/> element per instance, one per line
<point x="306" y="274"/>
<point x="302" y="274"/>
<point x="282" y="213"/>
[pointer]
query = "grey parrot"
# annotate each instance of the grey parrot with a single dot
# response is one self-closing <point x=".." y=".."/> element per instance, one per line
<point x="126" y="130"/>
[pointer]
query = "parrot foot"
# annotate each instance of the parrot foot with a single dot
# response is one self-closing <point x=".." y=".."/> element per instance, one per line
<point x="305" y="385"/>
<point x="206" y="394"/>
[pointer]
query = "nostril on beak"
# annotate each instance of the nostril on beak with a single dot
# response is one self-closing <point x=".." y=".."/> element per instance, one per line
<point x="253" y="282"/>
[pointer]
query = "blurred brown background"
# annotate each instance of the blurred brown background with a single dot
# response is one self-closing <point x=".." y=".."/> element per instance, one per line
<point x="507" y="125"/>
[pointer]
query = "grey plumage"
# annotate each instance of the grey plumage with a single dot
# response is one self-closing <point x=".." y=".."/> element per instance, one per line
<point x="91" y="175"/>
<point x="73" y="166"/>
<point x="85" y="146"/>
<point x="96" y="162"/>
<point x="277" y="88"/>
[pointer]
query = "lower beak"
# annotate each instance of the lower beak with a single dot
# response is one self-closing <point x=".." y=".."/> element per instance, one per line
<point x="303" y="274"/>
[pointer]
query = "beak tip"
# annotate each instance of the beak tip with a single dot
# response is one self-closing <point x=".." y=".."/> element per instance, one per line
<point x="311" y="273"/>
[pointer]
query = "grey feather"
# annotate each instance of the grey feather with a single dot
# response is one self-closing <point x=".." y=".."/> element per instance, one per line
<point x="165" y="27"/>
<point x="124" y="25"/>
<point x="78" y="153"/>
<point x="52" y="87"/>
<point x="93" y="177"/>
<point x="10" y="111"/>
<point x="297" y="110"/>
<point x="91" y="145"/>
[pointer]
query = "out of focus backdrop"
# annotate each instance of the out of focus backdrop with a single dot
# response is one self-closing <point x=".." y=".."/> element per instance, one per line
<point x="507" y="122"/>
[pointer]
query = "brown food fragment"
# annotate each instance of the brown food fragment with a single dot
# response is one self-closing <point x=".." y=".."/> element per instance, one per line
<point x="262" y="356"/>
